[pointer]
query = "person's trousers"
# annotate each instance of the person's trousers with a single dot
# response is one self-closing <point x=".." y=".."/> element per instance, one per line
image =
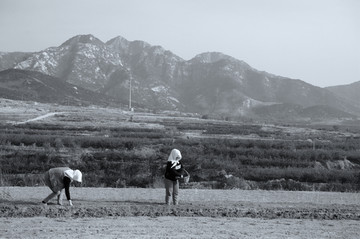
<point x="51" y="195"/>
<point x="171" y="189"/>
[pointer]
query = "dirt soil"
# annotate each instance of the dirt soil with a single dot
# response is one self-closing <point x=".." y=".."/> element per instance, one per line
<point x="141" y="213"/>
<point x="176" y="227"/>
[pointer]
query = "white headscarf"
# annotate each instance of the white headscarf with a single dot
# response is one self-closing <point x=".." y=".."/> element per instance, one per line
<point x="74" y="175"/>
<point x="174" y="157"/>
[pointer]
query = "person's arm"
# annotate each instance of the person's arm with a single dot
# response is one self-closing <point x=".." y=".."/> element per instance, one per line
<point x="177" y="172"/>
<point x="67" y="182"/>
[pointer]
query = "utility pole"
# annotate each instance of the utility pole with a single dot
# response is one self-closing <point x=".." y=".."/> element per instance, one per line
<point x="130" y="108"/>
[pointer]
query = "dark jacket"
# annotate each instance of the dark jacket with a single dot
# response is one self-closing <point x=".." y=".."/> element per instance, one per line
<point x="174" y="173"/>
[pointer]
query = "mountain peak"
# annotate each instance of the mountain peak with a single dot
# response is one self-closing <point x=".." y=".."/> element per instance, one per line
<point x="118" y="39"/>
<point x="211" y="57"/>
<point x="83" y="39"/>
<point x="118" y="42"/>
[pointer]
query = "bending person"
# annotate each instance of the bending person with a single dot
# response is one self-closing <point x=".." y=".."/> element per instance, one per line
<point x="59" y="178"/>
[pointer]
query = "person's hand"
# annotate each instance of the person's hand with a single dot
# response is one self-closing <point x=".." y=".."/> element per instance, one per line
<point x="70" y="203"/>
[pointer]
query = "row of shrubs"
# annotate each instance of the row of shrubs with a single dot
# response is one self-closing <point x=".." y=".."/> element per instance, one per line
<point x="126" y="168"/>
<point x="116" y="157"/>
<point x="93" y="179"/>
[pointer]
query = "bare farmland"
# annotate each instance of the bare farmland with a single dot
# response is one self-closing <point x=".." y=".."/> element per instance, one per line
<point x="141" y="213"/>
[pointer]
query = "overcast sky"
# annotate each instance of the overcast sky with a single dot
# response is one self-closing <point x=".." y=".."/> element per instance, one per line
<point x="316" y="41"/>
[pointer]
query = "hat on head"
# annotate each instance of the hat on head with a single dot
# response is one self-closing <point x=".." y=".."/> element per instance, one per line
<point x="175" y="155"/>
<point x="77" y="176"/>
<point x="74" y="175"/>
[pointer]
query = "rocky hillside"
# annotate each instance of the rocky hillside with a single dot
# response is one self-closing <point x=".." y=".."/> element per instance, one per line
<point x="210" y="83"/>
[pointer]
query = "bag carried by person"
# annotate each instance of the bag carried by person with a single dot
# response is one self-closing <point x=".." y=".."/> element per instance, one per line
<point x="187" y="177"/>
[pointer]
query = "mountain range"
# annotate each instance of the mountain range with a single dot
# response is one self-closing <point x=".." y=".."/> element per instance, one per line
<point x="210" y="83"/>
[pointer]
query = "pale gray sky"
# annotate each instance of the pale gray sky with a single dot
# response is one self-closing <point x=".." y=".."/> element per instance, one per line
<point x="316" y="41"/>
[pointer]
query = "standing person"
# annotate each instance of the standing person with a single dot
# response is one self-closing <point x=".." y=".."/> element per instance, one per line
<point x="174" y="171"/>
<point x="59" y="178"/>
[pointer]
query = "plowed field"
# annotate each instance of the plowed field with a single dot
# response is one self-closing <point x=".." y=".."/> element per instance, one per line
<point x="141" y="213"/>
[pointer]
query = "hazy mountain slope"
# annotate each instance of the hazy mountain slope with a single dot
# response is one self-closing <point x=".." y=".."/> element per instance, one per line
<point x="295" y="112"/>
<point x="324" y="112"/>
<point x="35" y="86"/>
<point x="350" y="92"/>
<point x="219" y="83"/>
<point x="10" y="59"/>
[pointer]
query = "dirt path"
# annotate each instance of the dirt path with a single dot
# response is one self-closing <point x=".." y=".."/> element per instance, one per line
<point x="40" y="117"/>
<point x="175" y="227"/>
